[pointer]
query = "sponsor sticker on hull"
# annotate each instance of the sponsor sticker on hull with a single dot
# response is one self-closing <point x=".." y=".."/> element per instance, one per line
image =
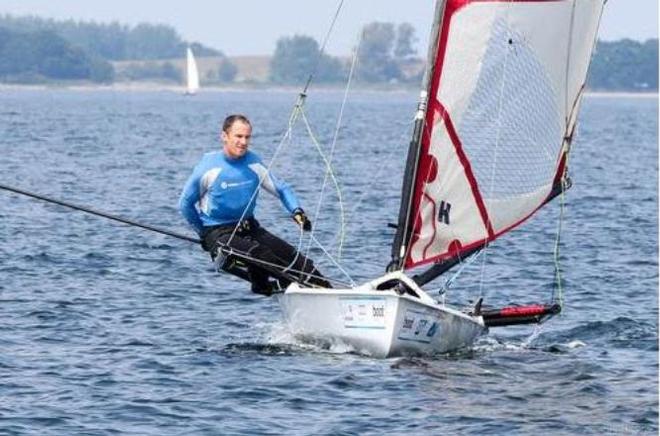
<point x="418" y="326"/>
<point x="364" y="312"/>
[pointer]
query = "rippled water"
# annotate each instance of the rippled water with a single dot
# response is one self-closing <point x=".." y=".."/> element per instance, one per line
<point x="107" y="329"/>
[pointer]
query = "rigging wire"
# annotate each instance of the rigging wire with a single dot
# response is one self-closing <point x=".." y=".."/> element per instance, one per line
<point x="500" y="103"/>
<point x="100" y="213"/>
<point x="323" y="45"/>
<point x="559" y="289"/>
<point x="163" y="231"/>
<point x="295" y="113"/>
<point x="376" y="178"/>
<point x="333" y="261"/>
<point x="463" y="264"/>
<point x="298" y="245"/>
<point x="297" y="109"/>
<point x="228" y="251"/>
<point x="287" y="134"/>
<point x="328" y="171"/>
<point x="373" y="179"/>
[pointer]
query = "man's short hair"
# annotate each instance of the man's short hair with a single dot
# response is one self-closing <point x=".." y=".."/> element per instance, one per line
<point x="231" y="119"/>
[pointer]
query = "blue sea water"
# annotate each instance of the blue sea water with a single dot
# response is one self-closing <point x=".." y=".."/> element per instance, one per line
<point x="108" y="329"/>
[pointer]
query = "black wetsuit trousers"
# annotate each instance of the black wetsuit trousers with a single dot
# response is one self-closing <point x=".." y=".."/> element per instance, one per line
<point x="259" y="255"/>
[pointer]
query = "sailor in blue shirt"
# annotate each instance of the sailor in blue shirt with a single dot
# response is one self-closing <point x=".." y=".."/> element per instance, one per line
<point x="218" y="201"/>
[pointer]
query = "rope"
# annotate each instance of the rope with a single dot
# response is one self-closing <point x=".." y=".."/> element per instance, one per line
<point x="559" y="288"/>
<point x="225" y="250"/>
<point x="463" y="265"/>
<point x="322" y="48"/>
<point x="295" y="258"/>
<point x="292" y="119"/>
<point x="99" y="213"/>
<point x="333" y="261"/>
<point x="230" y="251"/>
<point x="373" y="179"/>
<point x="497" y="144"/>
<point x="328" y="171"/>
<point x="296" y="111"/>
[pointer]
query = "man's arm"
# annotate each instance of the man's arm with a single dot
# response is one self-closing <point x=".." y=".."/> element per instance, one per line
<point x="188" y="201"/>
<point x="276" y="187"/>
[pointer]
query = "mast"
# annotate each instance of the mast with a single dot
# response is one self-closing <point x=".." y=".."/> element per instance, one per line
<point x="405" y="222"/>
<point x="493" y="125"/>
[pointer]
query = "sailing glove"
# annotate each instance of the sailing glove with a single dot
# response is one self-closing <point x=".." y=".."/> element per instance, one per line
<point x="302" y="220"/>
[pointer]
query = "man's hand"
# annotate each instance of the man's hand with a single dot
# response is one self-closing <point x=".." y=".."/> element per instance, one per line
<point x="302" y="220"/>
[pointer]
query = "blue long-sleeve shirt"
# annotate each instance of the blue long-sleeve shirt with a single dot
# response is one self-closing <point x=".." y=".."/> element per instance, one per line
<point x="220" y="188"/>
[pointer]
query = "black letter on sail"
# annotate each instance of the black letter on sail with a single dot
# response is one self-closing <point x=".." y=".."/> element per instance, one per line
<point x="443" y="212"/>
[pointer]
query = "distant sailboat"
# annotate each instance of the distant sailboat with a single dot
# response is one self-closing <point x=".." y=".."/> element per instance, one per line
<point x="192" y="75"/>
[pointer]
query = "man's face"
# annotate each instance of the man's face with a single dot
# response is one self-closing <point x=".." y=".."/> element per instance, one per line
<point x="237" y="139"/>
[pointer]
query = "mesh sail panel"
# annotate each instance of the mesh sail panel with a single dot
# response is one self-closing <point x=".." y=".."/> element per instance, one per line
<point x="511" y="131"/>
<point x="503" y="96"/>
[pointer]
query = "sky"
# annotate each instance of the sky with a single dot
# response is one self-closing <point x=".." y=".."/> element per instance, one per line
<point x="252" y="27"/>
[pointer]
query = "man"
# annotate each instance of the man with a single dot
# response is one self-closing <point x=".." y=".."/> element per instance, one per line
<point x="218" y="201"/>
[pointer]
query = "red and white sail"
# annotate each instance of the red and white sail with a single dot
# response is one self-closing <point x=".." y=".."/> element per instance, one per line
<point x="502" y="104"/>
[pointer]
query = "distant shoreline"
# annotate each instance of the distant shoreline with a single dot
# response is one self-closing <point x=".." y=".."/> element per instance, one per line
<point x="164" y="87"/>
<point x="599" y="94"/>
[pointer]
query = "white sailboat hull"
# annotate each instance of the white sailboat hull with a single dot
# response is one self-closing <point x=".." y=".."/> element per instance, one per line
<point x="381" y="323"/>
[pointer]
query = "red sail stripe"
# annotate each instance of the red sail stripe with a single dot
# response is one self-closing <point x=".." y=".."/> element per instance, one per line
<point x="467" y="168"/>
<point x="429" y="122"/>
<point x="434" y="228"/>
<point x="451" y="8"/>
<point x="560" y="168"/>
<point x="474" y="244"/>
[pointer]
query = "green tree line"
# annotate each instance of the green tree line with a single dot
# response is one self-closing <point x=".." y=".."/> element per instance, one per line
<point x="624" y="65"/>
<point x="384" y="53"/>
<point x="112" y="41"/>
<point x="41" y="55"/>
<point x="36" y="49"/>
<point x="387" y="55"/>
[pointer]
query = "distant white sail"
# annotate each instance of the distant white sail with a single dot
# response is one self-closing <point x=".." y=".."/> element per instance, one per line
<point x="192" y="75"/>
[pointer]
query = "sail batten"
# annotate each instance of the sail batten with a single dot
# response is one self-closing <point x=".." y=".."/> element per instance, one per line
<point x="504" y="87"/>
